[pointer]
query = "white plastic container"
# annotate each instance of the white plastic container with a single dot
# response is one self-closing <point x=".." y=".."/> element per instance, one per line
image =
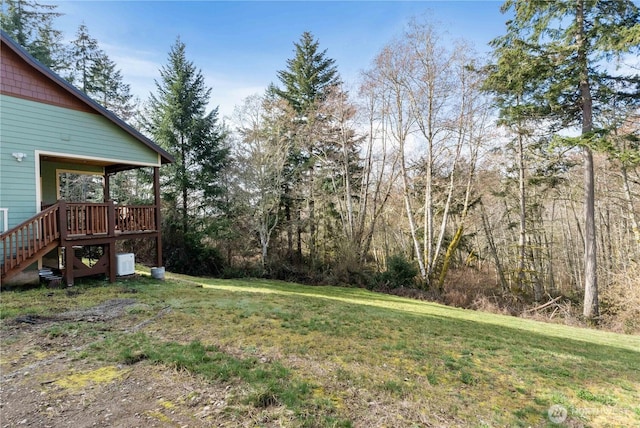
<point x="125" y="264"/>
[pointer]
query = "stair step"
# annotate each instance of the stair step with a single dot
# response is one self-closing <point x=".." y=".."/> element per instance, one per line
<point x="52" y="280"/>
<point x="51" y="276"/>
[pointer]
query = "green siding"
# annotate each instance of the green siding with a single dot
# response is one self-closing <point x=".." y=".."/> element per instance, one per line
<point x="56" y="129"/>
<point x="17" y="183"/>
<point x="27" y="126"/>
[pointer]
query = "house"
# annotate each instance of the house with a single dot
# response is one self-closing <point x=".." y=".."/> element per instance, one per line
<point x="49" y="128"/>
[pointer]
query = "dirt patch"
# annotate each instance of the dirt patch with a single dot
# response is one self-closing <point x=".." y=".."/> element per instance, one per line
<point x="138" y="396"/>
<point x="46" y="384"/>
<point x="106" y="311"/>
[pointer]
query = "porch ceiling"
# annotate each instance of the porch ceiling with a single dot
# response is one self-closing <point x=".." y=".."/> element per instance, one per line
<point x="109" y="166"/>
<point x="94" y="162"/>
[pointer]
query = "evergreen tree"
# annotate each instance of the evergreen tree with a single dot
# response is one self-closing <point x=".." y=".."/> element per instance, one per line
<point x="31" y="25"/>
<point x="97" y="75"/>
<point x="307" y="81"/>
<point x="554" y="60"/>
<point x="178" y="121"/>
<point x="308" y="75"/>
<point x="84" y="54"/>
<point x="110" y="90"/>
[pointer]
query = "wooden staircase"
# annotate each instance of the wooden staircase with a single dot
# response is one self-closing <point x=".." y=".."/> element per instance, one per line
<point x="27" y="242"/>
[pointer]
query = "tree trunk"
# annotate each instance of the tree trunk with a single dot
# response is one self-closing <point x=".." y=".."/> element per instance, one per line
<point x="632" y="213"/>
<point x="287" y="217"/>
<point x="453" y="245"/>
<point x="523" y="214"/>
<point x="185" y="194"/>
<point x="590" y="310"/>
<point x="312" y="220"/>
<point x="401" y="135"/>
<point x="298" y="235"/>
<point x="494" y="250"/>
<point x="428" y="211"/>
<point x="412" y="223"/>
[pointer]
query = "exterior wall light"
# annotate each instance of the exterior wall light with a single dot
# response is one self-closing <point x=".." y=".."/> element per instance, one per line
<point x="19" y="156"/>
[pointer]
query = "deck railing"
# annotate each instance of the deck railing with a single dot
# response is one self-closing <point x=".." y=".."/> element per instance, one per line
<point x="95" y="218"/>
<point x="86" y="218"/>
<point x="135" y="218"/>
<point x="71" y="221"/>
<point x="29" y="238"/>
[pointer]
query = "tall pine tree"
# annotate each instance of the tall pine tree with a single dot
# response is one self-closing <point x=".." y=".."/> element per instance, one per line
<point x="309" y="75"/>
<point x="110" y="90"/>
<point x="84" y="54"/>
<point x="97" y="75"/>
<point x="178" y="121"/>
<point x="306" y="82"/>
<point x="31" y="25"/>
<point x="562" y="76"/>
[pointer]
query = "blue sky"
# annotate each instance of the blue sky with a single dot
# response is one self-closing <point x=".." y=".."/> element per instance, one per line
<point x="240" y="45"/>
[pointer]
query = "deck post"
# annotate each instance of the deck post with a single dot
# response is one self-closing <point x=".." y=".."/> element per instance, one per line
<point x="111" y="245"/>
<point x="68" y="265"/>
<point x="107" y="190"/>
<point x="156" y="194"/>
<point x="111" y="218"/>
<point x="62" y="220"/>
<point x="68" y="249"/>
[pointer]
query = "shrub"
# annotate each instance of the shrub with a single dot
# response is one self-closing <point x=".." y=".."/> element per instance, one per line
<point x="620" y="301"/>
<point x="400" y="273"/>
<point x="190" y="256"/>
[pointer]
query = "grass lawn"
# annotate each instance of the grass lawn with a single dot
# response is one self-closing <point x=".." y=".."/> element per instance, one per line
<point x="328" y="356"/>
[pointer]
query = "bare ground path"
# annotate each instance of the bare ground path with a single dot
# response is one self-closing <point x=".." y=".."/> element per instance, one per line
<point x="45" y="384"/>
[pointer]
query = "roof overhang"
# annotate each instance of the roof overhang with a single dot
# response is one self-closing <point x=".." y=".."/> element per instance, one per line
<point x="165" y="157"/>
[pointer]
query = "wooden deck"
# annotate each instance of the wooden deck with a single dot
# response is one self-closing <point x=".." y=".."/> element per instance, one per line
<point x="69" y="225"/>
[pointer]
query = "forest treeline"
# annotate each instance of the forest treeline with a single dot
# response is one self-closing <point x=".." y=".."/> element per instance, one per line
<point x="497" y="183"/>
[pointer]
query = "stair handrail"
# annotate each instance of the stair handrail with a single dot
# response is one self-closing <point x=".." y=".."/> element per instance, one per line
<point x="34" y="244"/>
<point x="31" y="219"/>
